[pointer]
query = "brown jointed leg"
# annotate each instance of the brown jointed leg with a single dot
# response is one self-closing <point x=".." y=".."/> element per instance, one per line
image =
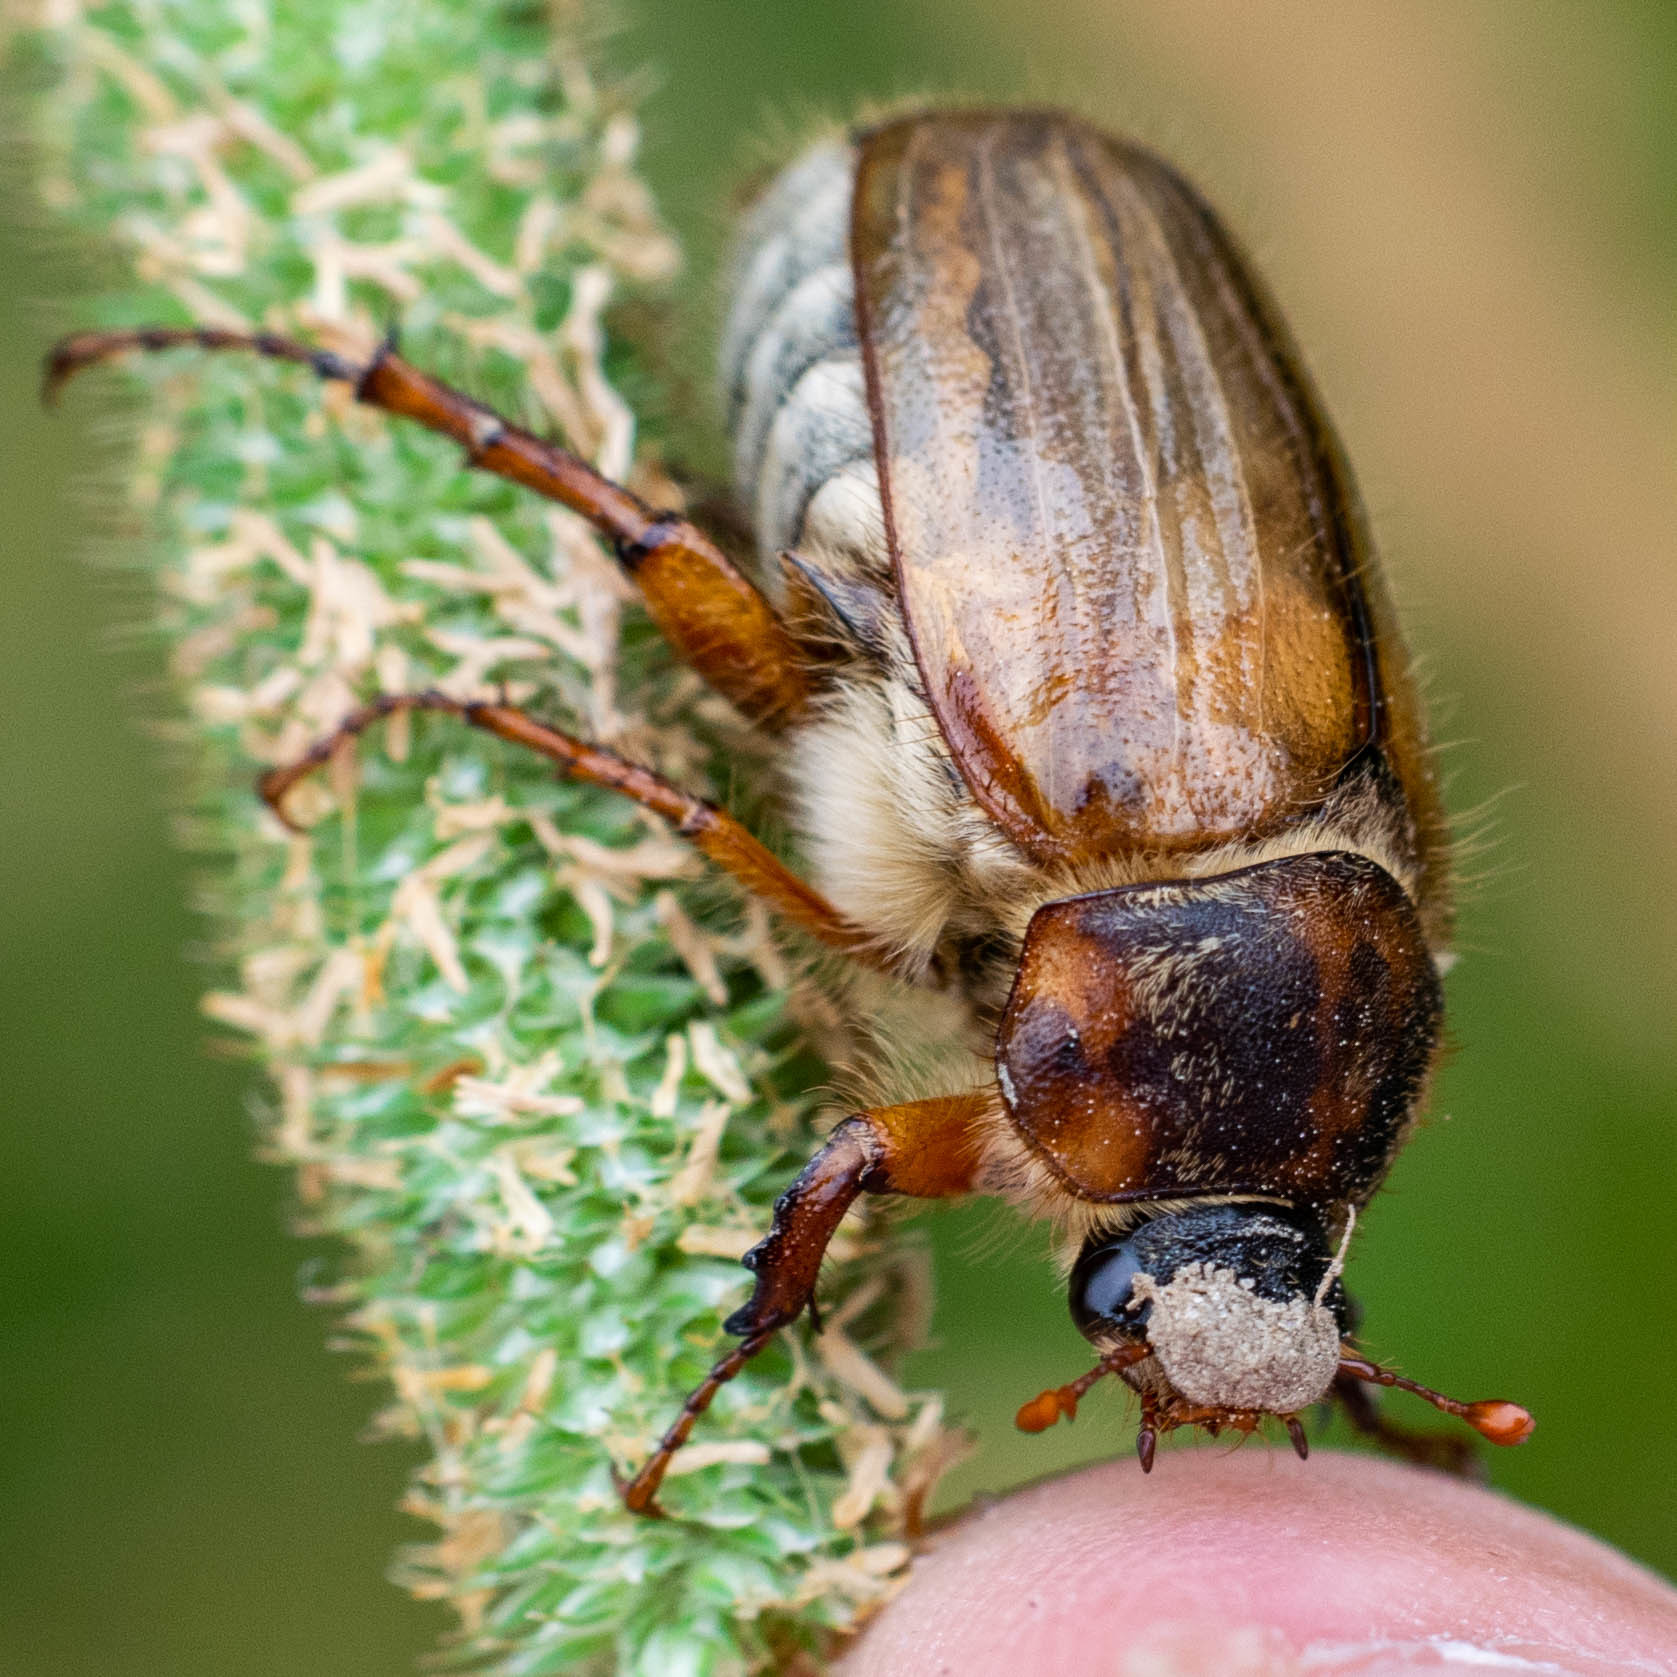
<point x="787" y="1260"/>
<point x="924" y="1148"/>
<point x="640" y="1493"/>
<point x="710" y="830"/>
<point x="712" y="615"/>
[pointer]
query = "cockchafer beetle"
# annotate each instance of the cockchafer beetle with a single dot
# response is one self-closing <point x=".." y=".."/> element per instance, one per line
<point x="1095" y="727"/>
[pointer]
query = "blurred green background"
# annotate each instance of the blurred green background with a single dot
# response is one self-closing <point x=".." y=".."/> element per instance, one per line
<point x="1471" y="218"/>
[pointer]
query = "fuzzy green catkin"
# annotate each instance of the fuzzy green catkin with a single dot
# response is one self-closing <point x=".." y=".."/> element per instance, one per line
<point x="536" y="1073"/>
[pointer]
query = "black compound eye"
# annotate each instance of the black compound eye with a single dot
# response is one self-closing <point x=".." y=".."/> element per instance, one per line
<point x="1100" y="1287"/>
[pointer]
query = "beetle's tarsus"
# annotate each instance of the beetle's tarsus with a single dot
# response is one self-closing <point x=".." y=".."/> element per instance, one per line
<point x="640" y="1494"/>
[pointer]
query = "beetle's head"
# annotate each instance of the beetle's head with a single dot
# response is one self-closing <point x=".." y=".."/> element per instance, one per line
<point x="1239" y="1306"/>
<point x="1222" y="1314"/>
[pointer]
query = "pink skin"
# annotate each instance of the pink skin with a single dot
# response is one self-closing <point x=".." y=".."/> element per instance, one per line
<point x="1253" y="1564"/>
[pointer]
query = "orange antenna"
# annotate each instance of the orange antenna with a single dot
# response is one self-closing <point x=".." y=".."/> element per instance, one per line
<point x="1061" y="1401"/>
<point x="1495" y="1419"/>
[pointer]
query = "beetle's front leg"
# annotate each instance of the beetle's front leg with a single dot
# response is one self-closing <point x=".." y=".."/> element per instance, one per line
<point x="929" y="1149"/>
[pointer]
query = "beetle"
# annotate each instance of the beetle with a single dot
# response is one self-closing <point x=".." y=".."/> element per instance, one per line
<point x="1095" y="728"/>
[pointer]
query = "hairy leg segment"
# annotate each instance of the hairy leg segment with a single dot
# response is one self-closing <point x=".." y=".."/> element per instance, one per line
<point x="926" y="1149"/>
<point x="711" y="831"/>
<point x="713" y="616"/>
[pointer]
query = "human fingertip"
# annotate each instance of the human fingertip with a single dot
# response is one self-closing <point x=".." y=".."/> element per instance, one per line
<point x="1255" y="1564"/>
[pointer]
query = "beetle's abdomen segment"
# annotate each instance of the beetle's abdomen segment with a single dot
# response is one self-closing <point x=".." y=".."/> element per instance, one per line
<point x="1263" y="1032"/>
<point x="790" y="368"/>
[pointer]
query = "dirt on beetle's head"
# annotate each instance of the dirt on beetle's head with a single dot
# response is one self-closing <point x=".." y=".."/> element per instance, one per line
<point x="1239" y="1305"/>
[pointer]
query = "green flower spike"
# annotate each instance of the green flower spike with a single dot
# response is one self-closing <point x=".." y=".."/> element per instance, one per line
<point x="539" y="1075"/>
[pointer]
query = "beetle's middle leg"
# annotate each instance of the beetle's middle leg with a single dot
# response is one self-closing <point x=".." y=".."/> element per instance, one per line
<point x="711" y="831"/>
<point x="928" y="1149"/>
<point x="716" y="620"/>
